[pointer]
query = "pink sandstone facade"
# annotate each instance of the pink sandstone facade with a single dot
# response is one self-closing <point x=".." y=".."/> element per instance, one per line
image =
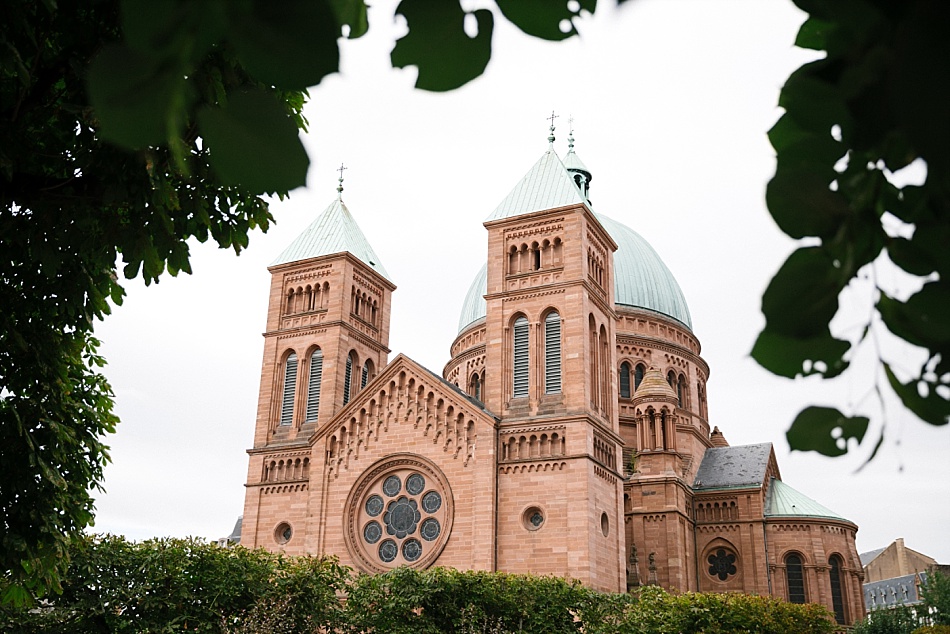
<point x="568" y="433"/>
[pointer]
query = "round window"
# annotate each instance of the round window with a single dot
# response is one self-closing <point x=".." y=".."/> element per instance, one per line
<point x="283" y="533"/>
<point x="722" y="564"/>
<point x="399" y="513"/>
<point x="604" y="524"/>
<point x="532" y="518"/>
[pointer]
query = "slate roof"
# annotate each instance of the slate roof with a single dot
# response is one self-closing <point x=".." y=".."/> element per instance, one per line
<point x="733" y="467"/>
<point x="334" y="231"/>
<point x="784" y="501"/>
<point x="546" y="185"/>
<point x="889" y="593"/>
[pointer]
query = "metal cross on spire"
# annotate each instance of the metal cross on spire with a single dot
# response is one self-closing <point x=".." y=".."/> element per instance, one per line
<point x="551" y="135"/>
<point x="339" y="188"/>
<point x="570" y="134"/>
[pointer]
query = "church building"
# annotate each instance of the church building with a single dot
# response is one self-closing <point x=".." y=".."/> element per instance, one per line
<point x="567" y="434"/>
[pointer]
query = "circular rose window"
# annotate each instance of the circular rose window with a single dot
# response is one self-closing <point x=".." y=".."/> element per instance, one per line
<point x="399" y="513"/>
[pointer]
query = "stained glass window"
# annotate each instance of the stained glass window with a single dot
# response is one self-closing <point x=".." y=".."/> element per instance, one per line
<point x="722" y="564"/>
<point x="837" y="600"/>
<point x="794" y="576"/>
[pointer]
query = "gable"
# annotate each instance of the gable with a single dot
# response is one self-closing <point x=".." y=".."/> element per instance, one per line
<point x="406" y="393"/>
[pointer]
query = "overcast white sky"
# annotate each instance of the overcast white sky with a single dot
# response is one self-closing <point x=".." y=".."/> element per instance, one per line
<point x="671" y="101"/>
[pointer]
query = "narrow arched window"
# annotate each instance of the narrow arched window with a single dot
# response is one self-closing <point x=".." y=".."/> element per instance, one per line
<point x="795" y="579"/>
<point x="837" y="599"/>
<point x="638" y="376"/>
<point x="671" y="379"/>
<point x="314" y="381"/>
<point x="680" y="388"/>
<point x="552" y="353"/>
<point x="347" y="379"/>
<point x="476" y="387"/>
<point x="367" y="373"/>
<point x="290" y="387"/>
<point x="624" y="380"/>
<point x="520" y="361"/>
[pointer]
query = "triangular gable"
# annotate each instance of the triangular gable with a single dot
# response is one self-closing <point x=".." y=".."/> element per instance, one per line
<point x="333" y="231"/>
<point x="547" y="185"/>
<point x="407" y="393"/>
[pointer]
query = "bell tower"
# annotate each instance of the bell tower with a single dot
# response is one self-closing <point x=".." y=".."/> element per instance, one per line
<point x="327" y="336"/>
<point x="550" y="337"/>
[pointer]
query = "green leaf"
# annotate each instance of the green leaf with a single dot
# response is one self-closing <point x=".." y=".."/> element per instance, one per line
<point x="792" y="357"/>
<point x="932" y="408"/>
<point x="543" y="18"/>
<point x="918" y="68"/>
<point x="133" y="97"/>
<point x="438" y="45"/>
<point x="173" y="29"/>
<point x="803" y="296"/>
<point x="253" y="143"/>
<point x="813" y="103"/>
<point x="351" y="13"/>
<point x="905" y="254"/>
<point x="289" y="44"/>
<point x="813" y="34"/>
<point x="817" y="429"/>
<point x="924" y="319"/>
<point x="801" y="202"/>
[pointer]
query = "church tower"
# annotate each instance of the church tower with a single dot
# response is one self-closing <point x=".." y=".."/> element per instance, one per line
<point x="327" y="336"/>
<point x="550" y="345"/>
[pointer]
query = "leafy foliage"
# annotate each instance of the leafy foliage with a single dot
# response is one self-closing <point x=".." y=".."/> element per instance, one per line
<point x="72" y="202"/>
<point x="936" y="597"/>
<point x="871" y="107"/>
<point x="173" y="585"/>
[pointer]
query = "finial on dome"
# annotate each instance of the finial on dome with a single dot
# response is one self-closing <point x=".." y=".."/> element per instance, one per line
<point x="570" y="134"/>
<point x="551" y="134"/>
<point x="339" y="188"/>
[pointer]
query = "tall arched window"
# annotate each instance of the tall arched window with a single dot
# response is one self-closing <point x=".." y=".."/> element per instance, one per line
<point x="680" y="388"/>
<point x="290" y="387"/>
<point x="638" y="376"/>
<point x="348" y="379"/>
<point x="476" y="387"/>
<point x="367" y="373"/>
<point x="313" y="385"/>
<point x="520" y="360"/>
<point x="795" y="578"/>
<point x="837" y="599"/>
<point x="552" y="353"/>
<point x="624" y="380"/>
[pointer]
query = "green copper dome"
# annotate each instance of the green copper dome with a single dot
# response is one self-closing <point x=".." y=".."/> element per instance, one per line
<point x="641" y="280"/>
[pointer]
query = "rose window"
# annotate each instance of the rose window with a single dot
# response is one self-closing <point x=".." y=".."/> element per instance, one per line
<point x="722" y="564"/>
<point x="399" y="514"/>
